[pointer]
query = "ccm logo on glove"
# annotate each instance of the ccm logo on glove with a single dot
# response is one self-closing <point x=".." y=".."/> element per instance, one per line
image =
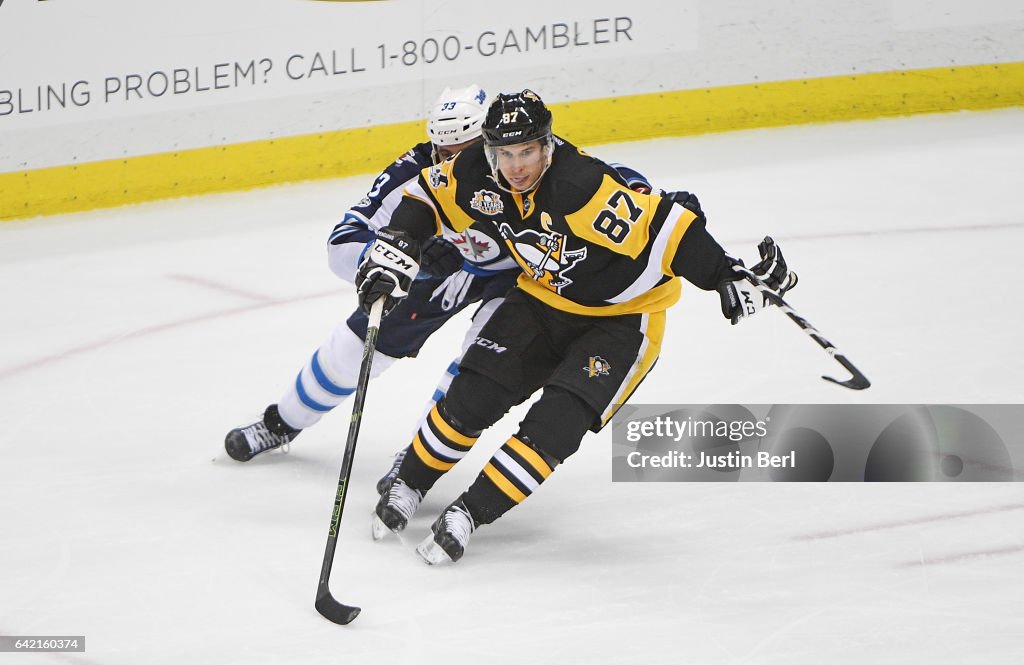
<point x="387" y="256"/>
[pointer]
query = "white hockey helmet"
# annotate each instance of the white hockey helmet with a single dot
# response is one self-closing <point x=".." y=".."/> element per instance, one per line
<point x="457" y="116"/>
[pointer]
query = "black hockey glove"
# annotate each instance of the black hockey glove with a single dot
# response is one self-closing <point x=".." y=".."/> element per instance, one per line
<point x="440" y="258"/>
<point x="387" y="270"/>
<point x="685" y="199"/>
<point x="741" y="299"/>
<point x="772" y="268"/>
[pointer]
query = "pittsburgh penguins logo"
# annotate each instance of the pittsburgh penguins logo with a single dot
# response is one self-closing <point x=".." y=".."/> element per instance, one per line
<point x="597" y="366"/>
<point x="543" y="256"/>
<point x="487" y="202"/>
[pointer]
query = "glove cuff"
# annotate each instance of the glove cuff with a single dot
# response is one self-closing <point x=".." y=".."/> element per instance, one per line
<point x="740" y="299"/>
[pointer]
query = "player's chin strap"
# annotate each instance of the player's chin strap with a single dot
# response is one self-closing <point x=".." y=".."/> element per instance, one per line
<point x="858" y="381"/>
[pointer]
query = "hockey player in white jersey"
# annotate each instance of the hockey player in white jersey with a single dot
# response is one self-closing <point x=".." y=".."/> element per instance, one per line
<point x="458" y="270"/>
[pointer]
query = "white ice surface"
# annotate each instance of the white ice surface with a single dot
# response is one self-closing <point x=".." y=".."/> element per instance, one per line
<point x="133" y="339"/>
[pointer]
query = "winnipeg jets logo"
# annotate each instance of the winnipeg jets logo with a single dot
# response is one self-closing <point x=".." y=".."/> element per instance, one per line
<point x="597" y="366"/>
<point x="437" y="177"/>
<point x="487" y="202"/>
<point x="475" y="246"/>
<point x="543" y="256"/>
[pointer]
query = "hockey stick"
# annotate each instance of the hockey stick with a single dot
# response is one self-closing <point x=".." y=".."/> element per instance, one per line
<point x="326" y="605"/>
<point x="858" y="381"/>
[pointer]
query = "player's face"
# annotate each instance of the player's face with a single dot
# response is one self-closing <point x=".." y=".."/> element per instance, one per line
<point x="446" y="151"/>
<point x="521" y="164"/>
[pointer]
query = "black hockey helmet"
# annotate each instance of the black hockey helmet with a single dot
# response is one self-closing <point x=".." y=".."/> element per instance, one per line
<point x="517" y="118"/>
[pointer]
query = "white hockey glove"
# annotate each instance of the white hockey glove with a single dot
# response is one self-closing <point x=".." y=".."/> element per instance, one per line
<point x="387" y="270"/>
<point x="741" y="299"/>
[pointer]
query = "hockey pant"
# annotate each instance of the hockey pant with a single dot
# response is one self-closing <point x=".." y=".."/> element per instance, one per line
<point x="586" y="366"/>
<point x="331" y="374"/>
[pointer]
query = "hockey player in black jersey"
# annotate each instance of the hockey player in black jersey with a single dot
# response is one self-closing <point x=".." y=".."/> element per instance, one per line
<point x="600" y="265"/>
<point x="458" y="269"/>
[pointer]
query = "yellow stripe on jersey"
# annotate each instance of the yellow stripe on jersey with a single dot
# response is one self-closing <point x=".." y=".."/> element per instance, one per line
<point x="654" y="333"/>
<point x="449" y="432"/>
<point x="657" y="299"/>
<point x="616" y="217"/>
<point x="427" y="457"/>
<point x="531" y="456"/>
<point x="682" y="223"/>
<point x="442" y="187"/>
<point x="503" y="483"/>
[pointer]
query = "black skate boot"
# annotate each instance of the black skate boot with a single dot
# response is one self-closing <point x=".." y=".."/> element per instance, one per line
<point x="247" y="442"/>
<point x="394" y="509"/>
<point x="449" y="535"/>
<point x="385" y="481"/>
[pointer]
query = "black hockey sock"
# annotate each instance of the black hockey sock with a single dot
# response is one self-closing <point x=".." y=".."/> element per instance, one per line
<point x="437" y="447"/>
<point x="514" y="472"/>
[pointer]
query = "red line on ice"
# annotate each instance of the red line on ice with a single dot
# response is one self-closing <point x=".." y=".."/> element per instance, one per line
<point x="37" y="363"/>
<point x="963" y="556"/>
<point x="822" y="535"/>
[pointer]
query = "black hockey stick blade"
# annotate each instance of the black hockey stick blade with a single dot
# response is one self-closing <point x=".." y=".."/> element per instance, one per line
<point x="334" y="611"/>
<point x="857" y="382"/>
<point x="325" y="604"/>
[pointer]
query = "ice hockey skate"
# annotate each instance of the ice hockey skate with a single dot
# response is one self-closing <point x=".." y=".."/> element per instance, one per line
<point x="271" y="432"/>
<point x="449" y="535"/>
<point x="397" y="504"/>
<point x="396" y="464"/>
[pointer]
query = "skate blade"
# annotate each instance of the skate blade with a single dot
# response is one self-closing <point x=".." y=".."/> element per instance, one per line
<point x="431" y="552"/>
<point x="378" y="530"/>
